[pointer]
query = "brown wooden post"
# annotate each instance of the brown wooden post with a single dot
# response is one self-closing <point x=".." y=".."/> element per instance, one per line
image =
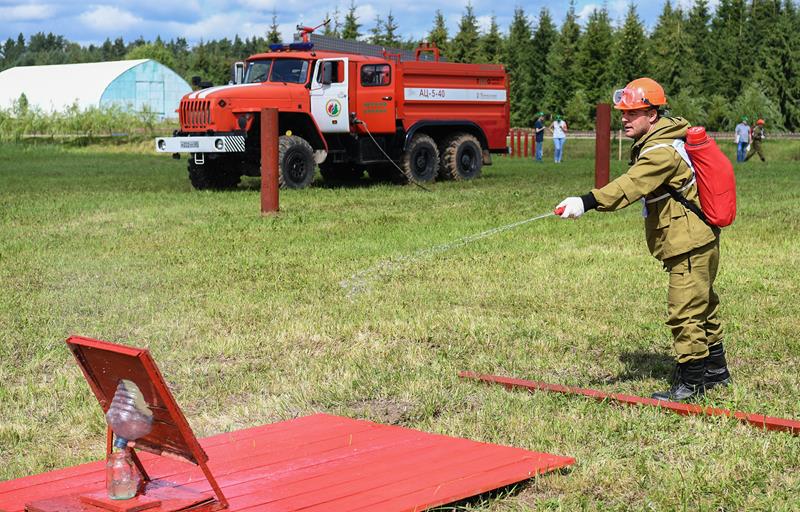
<point x="269" y="161"/>
<point x="527" y="136"/>
<point x="602" y="148"/>
<point x="519" y="143"/>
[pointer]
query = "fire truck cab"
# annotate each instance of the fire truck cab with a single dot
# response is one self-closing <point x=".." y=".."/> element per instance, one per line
<point x="348" y="113"/>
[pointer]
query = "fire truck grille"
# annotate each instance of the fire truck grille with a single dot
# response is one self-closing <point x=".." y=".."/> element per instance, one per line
<point x="195" y="113"/>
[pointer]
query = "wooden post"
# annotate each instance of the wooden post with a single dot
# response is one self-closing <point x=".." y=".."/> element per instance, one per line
<point x="269" y="161"/>
<point x="619" y="156"/>
<point x="602" y="148"/>
<point x="519" y="143"/>
<point x="527" y="136"/>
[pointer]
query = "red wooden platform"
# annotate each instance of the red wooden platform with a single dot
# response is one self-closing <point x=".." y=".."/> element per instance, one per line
<point x="316" y="463"/>
<point x="684" y="409"/>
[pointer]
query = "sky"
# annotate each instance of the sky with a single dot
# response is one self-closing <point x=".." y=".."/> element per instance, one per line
<point x="88" y="22"/>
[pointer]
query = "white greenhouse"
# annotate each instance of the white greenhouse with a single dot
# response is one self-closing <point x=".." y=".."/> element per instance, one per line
<point x="130" y="84"/>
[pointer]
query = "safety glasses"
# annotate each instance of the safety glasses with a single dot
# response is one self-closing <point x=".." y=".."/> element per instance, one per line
<point x="630" y="98"/>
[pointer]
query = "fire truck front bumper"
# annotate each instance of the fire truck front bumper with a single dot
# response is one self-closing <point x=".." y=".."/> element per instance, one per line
<point x="201" y="144"/>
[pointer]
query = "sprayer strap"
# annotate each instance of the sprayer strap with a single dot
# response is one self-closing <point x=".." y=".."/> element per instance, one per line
<point x="664" y="196"/>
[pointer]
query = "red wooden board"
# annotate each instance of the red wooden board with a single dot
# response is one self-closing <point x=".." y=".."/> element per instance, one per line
<point x="684" y="409"/>
<point x="320" y="462"/>
<point x="104" y="364"/>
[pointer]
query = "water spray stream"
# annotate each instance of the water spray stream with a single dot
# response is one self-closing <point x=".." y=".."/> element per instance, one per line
<point x="359" y="282"/>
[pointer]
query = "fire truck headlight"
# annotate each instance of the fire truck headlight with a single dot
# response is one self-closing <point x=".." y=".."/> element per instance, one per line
<point x="219" y="144"/>
<point x="162" y="144"/>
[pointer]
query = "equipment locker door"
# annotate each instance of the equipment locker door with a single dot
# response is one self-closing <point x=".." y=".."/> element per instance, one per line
<point x="375" y="104"/>
<point x="329" y="101"/>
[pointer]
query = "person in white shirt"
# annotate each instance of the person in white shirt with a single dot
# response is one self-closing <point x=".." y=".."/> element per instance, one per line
<point x="559" y="131"/>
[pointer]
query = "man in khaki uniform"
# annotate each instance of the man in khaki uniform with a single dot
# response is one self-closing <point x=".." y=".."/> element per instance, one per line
<point x="758" y="136"/>
<point x="685" y="244"/>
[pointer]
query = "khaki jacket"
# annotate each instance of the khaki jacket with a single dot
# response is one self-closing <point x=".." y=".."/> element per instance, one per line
<point x="670" y="228"/>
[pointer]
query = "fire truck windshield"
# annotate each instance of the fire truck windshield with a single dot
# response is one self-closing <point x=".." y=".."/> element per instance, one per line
<point x="277" y="70"/>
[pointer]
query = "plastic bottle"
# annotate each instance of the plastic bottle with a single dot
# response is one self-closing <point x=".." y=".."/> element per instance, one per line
<point x="122" y="477"/>
<point x="129" y="416"/>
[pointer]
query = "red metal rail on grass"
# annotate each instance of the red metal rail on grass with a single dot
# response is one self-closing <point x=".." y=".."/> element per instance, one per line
<point x="757" y="420"/>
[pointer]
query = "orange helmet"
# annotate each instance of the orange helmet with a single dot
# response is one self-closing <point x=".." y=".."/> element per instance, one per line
<point x="760" y="121"/>
<point x="640" y="93"/>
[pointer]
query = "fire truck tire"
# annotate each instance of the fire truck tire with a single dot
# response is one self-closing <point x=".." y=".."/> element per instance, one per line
<point x="295" y="162"/>
<point x="462" y="158"/>
<point x="420" y="161"/>
<point x="213" y="175"/>
<point x="340" y="172"/>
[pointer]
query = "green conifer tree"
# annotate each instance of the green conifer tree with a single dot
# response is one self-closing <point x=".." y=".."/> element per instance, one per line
<point x="778" y="63"/>
<point x="630" y="58"/>
<point x="464" y="47"/>
<point x="671" y="56"/>
<point x="377" y="35"/>
<point x="562" y="65"/>
<point x="596" y="75"/>
<point x="438" y="34"/>
<point x="334" y="25"/>
<point x="543" y="39"/>
<point x="351" y="24"/>
<point x="491" y="44"/>
<point x="274" y="35"/>
<point x="390" y="37"/>
<point x="518" y="59"/>
<point x="725" y="69"/>
<point x="698" y="28"/>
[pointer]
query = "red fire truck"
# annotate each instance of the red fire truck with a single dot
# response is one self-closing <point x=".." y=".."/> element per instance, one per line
<point x="348" y="112"/>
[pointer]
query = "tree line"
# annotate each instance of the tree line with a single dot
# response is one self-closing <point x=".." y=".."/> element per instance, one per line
<point x="742" y="58"/>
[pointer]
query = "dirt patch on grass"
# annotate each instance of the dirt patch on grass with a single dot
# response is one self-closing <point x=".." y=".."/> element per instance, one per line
<point x="382" y="410"/>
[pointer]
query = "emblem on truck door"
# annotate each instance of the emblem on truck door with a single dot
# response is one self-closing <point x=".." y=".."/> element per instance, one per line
<point x="333" y="108"/>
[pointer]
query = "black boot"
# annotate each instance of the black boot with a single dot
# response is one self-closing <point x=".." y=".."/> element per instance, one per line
<point x="716" y="367"/>
<point x="687" y="383"/>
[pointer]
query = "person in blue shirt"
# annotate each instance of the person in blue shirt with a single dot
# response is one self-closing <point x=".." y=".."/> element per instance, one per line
<point x="742" y="139"/>
<point x="538" y="130"/>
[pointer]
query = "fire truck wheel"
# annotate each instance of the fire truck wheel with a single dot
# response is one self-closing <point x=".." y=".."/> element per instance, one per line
<point x="214" y="175"/>
<point x="420" y="161"/>
<point x="462" y="158"/>
<point x="296" y="162"/>
<point x="340" y="172"/>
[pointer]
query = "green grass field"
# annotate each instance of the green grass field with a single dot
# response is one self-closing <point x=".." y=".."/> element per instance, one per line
<point x="257" y="319"/>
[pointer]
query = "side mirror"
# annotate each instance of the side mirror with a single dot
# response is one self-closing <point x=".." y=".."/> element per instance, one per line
<point x="196" y="81"/>
<point x="237" y="73"/>
<point x="327" y="73"/>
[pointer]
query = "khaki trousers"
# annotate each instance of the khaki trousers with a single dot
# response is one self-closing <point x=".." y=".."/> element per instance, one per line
<point x="755" y="147"/>
<point x="693" y="306"/>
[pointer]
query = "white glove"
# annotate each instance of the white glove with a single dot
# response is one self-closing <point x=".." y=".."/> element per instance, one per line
<point x="573" y="207"/>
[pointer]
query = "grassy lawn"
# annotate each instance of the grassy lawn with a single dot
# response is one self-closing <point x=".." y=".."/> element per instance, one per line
<point x="254" y="320"/>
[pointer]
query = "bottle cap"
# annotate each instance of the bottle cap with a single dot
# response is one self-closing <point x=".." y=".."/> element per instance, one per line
<point x="696" y="135"/>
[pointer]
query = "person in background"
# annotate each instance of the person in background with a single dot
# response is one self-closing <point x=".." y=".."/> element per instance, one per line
<point x="758" y="136"/>
<point x="742" y="139"/>
<point x="686" y="246"/>
<point x="559" y="131"/>
<point x="538" y="130"/>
